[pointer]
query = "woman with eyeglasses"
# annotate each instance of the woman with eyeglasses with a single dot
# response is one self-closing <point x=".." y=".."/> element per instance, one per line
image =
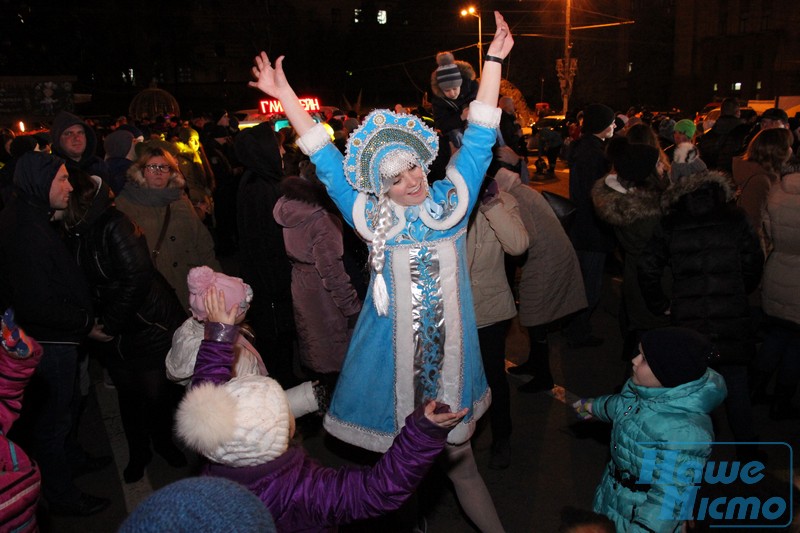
<point x="154" y="198"/>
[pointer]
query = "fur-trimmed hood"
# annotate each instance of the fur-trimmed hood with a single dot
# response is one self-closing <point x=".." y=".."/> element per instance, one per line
<point x="467" y="76"/>
<point x="620" y="208"/>
<point x="690" y="184"/>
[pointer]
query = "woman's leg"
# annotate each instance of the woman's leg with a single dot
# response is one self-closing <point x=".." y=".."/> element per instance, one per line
<point x="492" y="341"/>
<point x="470" y="489"/>
<point x="538" y="361"/>
<point x="133" y="414"/>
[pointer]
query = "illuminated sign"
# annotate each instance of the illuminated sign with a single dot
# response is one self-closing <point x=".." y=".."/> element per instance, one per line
<point x="269" y="107"/>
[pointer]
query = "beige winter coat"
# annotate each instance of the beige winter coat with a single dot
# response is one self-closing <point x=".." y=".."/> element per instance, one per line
<point x="551" y="285"/>
<point x="496" y="228"/>
<point x="187" y="242"/>
<point x="780" y="286"/>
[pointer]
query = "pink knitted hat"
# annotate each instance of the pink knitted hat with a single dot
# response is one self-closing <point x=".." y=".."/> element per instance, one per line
<point x="201" y="278"/>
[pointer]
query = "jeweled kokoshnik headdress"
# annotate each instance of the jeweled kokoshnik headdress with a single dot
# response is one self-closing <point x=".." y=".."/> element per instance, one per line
<point x="386" y="134"/>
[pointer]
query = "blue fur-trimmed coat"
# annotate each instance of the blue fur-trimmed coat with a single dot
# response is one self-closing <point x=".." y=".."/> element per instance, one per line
<point x="427" y="347"/>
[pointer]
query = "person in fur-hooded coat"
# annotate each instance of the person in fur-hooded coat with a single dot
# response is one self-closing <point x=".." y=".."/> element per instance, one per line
<point x="715" y="260"/>
<point x="187" y="243"/>
<point x="453" y="86"/>
<point x="325" y="303"/>
<point x="629" y="199"/>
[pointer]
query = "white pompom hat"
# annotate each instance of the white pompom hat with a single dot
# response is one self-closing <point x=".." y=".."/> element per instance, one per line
<point x="245" y="422"/>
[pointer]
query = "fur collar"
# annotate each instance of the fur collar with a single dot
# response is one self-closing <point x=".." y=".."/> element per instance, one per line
<point x="691" y="183"/>
<point x="135" y="175"/>
<point x="620" y="208"/>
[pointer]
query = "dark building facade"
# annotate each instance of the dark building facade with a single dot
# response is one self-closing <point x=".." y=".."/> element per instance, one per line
<point x="744" y="48"/>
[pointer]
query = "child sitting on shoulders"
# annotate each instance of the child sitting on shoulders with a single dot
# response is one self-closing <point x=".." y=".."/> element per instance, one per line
<point x="662" y="414"/>
<point x="243" y="426"/>
<point x="247" y="361"/>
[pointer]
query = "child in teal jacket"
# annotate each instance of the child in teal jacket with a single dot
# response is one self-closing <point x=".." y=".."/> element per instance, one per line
<point x="660" y="423"/>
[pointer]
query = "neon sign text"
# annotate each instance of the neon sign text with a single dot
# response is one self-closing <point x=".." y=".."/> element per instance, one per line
<point x="268" y="107"/>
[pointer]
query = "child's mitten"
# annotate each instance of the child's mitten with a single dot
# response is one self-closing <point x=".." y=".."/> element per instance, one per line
<point x="581" y="410"/>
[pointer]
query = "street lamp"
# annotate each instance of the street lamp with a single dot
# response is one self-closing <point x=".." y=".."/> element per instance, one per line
<point x="475" y="13"/>
<point x="567" y="67"/>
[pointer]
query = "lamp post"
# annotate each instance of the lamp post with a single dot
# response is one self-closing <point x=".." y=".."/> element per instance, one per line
<point x="567" y="67"/>
<point x="472" y="11"/>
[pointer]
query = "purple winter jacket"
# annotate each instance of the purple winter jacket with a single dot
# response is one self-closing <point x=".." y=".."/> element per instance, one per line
<point x="303" y="495"/>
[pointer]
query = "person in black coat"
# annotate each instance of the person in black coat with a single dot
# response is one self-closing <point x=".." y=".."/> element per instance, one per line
<point x="138" y="312"/>
<point x="592" y="238"/>
<point x="263" y="263"/>
<point x="39" y="278"/>
<point x="716" y="261"/>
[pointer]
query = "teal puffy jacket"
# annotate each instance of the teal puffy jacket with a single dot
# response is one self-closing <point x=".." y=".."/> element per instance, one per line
<point x="655" y="420"/>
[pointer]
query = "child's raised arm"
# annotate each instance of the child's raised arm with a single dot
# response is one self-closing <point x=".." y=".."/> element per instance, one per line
<point x="272" y="81"/>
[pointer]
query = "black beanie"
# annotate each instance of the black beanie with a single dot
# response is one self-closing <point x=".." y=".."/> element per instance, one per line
<point x="597" y="117"/>
<point x="634" y="162"/>
<point x="676" y="355"/>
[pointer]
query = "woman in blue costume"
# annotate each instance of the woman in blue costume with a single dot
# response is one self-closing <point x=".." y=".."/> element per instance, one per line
<point x="416" y="337"/>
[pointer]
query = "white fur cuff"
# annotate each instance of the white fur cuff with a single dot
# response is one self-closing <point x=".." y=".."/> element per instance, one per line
<point x="484" y="115"/>
<point x="314" y="140"/>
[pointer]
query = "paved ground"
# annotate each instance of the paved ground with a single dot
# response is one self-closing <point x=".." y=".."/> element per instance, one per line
<point x="556" y="461"/>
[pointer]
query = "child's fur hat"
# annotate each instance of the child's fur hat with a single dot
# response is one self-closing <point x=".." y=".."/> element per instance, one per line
<point x="244" y="422"/>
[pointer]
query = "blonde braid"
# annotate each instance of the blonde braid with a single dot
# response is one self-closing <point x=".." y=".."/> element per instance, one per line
<point x="377" y="256"/>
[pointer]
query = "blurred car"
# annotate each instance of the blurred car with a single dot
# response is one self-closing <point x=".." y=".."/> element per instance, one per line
<point x="748" y="114"/>
<point x="557" y="122"/>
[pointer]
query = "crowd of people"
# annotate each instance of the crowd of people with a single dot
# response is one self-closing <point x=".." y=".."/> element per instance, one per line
<point x="387" y="260"/>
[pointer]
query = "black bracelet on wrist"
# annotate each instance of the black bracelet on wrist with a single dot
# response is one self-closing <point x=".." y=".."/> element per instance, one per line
<point x="493" y="58"/>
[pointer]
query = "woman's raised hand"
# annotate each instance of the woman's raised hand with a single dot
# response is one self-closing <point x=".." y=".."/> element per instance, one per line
<point x="503" y="41"/>
<point x="272" y="81"/>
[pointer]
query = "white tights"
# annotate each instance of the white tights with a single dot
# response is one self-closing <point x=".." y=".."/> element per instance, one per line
<point x="470" y="489"/>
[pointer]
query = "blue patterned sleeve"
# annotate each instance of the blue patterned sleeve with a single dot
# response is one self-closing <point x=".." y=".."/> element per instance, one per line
<point x="475" y="154"/>
<point x="330" y="171"/>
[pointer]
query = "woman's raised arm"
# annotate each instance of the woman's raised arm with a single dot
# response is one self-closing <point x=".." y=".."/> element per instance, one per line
<point x="501" y="45"/>
<point x="272" y="81"/>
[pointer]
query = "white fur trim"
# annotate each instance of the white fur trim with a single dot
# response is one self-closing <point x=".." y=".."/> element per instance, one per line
<point x="463" y="431"/>
<point x="360" y="218"/>
<point x="403" y="334"/>
<point x="313" y="140"/>
<point x="484" y="114"/>
<point x="452" y="374"/>
<point x="459" y="212"/>
<point x="683" y="152"/>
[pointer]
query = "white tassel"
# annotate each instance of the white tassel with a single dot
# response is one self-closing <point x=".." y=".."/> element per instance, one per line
<point x="380" y="295"/>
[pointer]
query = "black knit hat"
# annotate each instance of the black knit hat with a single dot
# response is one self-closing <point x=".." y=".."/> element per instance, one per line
<point x="676" y="355"/>
<point x="447" y="74"/>
<point x="634" y="162"/>
<point x="597" y="117"/>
